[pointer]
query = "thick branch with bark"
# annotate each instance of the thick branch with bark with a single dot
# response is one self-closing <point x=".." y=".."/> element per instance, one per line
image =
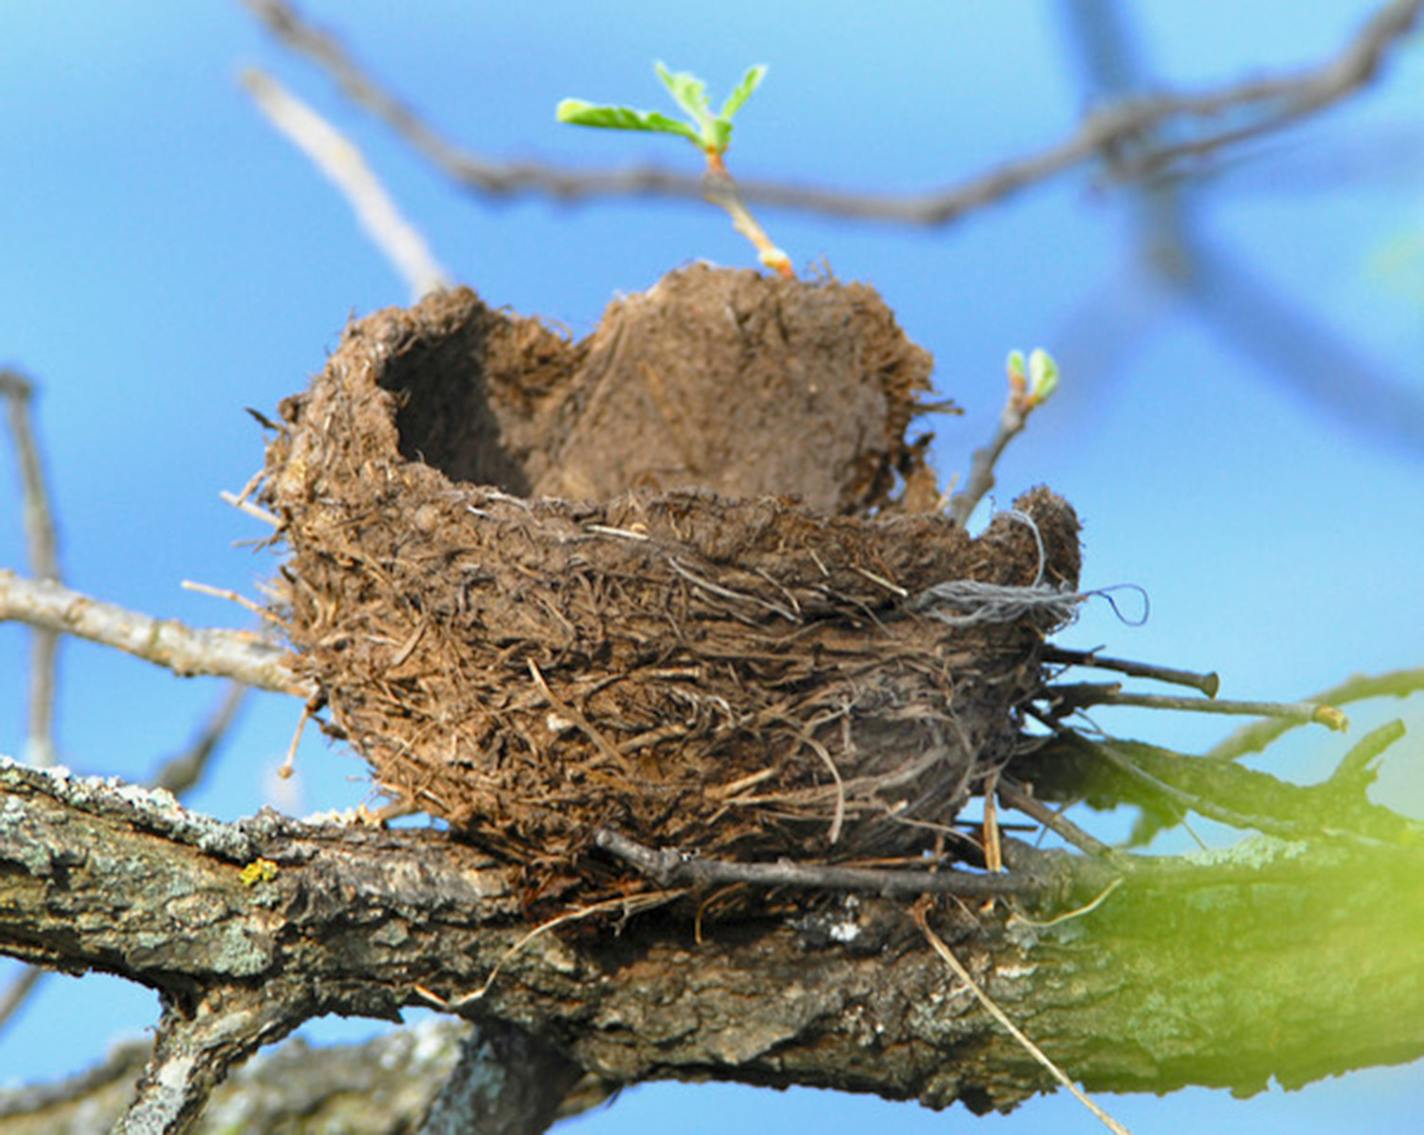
<point x="1276" y="959"/>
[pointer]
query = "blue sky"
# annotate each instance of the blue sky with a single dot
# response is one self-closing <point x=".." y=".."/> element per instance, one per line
<point x="169" y="260"/>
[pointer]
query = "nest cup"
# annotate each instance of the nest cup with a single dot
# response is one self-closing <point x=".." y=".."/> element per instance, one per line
<point x="549" y="586"/>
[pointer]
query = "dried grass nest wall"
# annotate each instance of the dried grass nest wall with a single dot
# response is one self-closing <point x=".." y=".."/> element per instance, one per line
<point x="548" y="586"/>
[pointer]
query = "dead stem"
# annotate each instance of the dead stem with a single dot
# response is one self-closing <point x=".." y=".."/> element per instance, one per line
<point x="1301" y="712"/>
<point x="1017" y="798"/>
<point x="1208" y="683"/>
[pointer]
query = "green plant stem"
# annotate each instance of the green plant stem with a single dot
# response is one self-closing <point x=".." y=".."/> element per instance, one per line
<point x="722" y="190"/>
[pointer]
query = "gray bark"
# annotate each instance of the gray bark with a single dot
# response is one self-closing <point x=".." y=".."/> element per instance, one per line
<point x="1279" y="958"/>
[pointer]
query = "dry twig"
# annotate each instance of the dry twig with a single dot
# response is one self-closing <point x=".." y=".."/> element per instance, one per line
<point x="1299" y="713"/>
<point x="671" y="868"/>
<point x="1208" y="683"/>
<point x="187" y="651"/>
<point x="1015" y="797"/>
<point x="18" y="992"/>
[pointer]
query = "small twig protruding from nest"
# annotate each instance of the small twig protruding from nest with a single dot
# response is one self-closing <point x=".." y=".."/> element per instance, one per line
<point x="669" y="867"/>
<point x="1083" y="694"/>
<point x="289" y="763"/>
<point x="240" y="502"/>
<point x="1016" y="797"/>
<point x="230" y="595"/>
<point x="1208" y="683"/>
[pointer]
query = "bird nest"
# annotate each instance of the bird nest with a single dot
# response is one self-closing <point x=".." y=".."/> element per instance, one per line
<point x="548" y="587"/>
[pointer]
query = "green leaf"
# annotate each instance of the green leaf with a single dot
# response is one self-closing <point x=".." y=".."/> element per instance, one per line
<point x="750" y="81"/>
<point x="690" y="93"/>
<point x="1043" y="374"/>
<point x="1014" y="364"/>
<point x="580" y="113"/>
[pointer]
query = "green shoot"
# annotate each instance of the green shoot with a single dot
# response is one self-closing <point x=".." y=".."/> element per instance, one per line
<point x="1027" y="391"/>
<point x="710" y="133"/>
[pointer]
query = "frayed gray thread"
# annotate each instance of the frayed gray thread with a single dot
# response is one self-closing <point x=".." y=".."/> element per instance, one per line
<point x="999" y="603"/>
<point x="996" y="603"/>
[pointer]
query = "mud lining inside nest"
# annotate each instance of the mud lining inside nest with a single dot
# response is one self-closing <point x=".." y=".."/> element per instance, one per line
<point x="731" y="672"/>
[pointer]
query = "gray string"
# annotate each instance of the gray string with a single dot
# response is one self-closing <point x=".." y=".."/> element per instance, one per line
<point x="996" y="602"/>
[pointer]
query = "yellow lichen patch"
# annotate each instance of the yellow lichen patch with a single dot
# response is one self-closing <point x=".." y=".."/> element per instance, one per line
<point x="258" y="871"/>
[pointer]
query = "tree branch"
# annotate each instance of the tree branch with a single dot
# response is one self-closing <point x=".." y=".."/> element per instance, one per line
<point x="837" y="993"/>
<point x="507" y="1082"/>
<point x="195" y="1047"/>
<point x="187" y="651"/>
<point x="339" y="159"/>
<point x="1277" y="101"/>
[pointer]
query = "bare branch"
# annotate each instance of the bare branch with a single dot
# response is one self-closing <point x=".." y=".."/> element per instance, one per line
<point x="183" y="770"/>
<point x="187" y="651"/>
<point x="18" y="992"/>
<point x="1300" y="713"/>
<point x="44" y="564"/>
<point x="93" y="1090"/>
<point x="177" y="775"/>
<point x="1284" y="100"/>
<point x="339" y="159"/>
<point x="375" y="1087"/>
<point x="1278" y="100"/>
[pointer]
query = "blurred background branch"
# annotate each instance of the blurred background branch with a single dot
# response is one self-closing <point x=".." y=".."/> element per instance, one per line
<point x="43" y="548"/>
<point x="1274" y="102"/>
